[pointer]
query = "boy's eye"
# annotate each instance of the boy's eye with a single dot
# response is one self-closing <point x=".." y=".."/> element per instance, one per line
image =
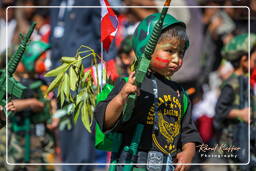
<point x="171" y="51"/>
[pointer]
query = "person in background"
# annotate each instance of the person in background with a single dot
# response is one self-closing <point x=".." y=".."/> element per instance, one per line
<point x="71" y="28"/>
<point x="30" y="139"/>
<point x="126" y="56"/>
<point x="11" y="24"/>
<point x="232" y="109"/>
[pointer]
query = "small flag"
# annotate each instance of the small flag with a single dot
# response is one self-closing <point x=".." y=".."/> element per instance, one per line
<point x="109" y="24"/>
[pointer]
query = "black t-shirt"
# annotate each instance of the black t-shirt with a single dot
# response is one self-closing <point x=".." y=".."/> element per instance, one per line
<point x="173" y="132"/>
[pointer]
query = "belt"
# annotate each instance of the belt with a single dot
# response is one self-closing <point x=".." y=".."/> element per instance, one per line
<point x="150" y="157"/>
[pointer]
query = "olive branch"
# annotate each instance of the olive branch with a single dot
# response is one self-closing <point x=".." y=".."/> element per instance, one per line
<point x="76" y="86"/>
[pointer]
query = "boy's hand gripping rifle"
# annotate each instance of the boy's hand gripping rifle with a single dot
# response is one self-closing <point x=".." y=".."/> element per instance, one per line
<point x="14" y="87"/>
<point x="144" y="62"/>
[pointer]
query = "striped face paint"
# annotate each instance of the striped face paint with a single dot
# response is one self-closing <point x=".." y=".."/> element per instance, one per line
<point x="160" y="62"/>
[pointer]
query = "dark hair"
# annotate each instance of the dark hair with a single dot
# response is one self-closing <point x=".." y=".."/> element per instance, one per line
<point x="43" y="12"/>
<point x="176" y="30"/>
<point x="253" y="49"/>
<point x="236" y="62"/>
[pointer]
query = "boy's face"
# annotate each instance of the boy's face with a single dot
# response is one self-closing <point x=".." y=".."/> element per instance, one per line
<point x="168" y="56"/>
<point x="253" y="60"/>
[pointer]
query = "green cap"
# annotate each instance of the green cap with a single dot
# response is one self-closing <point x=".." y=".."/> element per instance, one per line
<point x="239" y="44"/>
<point x="145" y="28"/>
<point x="33" y="51"/>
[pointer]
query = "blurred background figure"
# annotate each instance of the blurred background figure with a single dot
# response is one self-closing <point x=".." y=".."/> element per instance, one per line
<point x="72" y="27"/>
<point x="126" y="56"/>
<point x="232" y="109"/>
<point x="30" y="141"/>
<point x="11" y="24"/>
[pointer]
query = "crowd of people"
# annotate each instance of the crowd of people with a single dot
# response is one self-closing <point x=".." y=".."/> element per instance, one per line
<point x="214" y="69"/>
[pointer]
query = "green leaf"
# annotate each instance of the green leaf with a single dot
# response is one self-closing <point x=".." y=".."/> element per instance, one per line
<point x="73" y="78"/>
<point x="57" y="71"/>
<point x="71" y="98"/>
<point x="81" y="95"/>
<point x="55" y="83"/>
<point x="78" y="64"/>
<point x="68" y="59"/>
<point x="66" y="88"/>
<point x="90" y="114"/>
<point x="59" y="89"/>
<point x="77" y="112"/>
<point x="81" y="71"/>
<point x="62" y="97"/>
<point x="85" y="118"/>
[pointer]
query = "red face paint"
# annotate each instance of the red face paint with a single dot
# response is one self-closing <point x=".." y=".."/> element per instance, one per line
<point x="162" y="60"/>
<point x="159" y="62"/>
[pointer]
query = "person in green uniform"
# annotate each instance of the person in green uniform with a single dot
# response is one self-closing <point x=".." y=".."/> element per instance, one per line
<point x="29" y="137"/>
<point x="232" y="117"/>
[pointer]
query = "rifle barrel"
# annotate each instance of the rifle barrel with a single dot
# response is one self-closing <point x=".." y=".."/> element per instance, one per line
<point x="15" y="59"/>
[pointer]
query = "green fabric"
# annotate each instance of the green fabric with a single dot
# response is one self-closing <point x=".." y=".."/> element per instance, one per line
<point x="238" y="44"/>
<point x="145" y="28"/>
<point x="33" y="51"/>
<point x="35" y="85"/>
<point x="112" y="141"/>
<point x="105" y="141"/>
<point x="104" y="93"/>
<point x="185" y="102"/>
<point x="102" y="141"/>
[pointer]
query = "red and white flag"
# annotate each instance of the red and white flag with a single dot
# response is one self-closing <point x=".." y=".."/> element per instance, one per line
<point x="109" y="24"/>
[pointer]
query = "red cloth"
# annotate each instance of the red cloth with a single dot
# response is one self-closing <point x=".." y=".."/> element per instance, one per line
<point x="253" y="77"/>
<point x="111" y="69"/>
<point x="205" y="128"/>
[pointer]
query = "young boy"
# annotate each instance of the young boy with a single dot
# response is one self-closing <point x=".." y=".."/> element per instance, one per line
<point x="166" y="132"/>
<point x="29" y="137"/>
<point x="232" y="109"/>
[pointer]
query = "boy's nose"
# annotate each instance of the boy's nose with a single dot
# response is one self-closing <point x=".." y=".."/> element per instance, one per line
<point x="175" y="58"/>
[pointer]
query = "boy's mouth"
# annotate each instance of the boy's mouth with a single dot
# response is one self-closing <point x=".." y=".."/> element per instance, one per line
<point x="173" y="68"/>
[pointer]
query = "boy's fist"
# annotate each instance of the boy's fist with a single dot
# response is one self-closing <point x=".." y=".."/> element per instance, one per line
<point x="129" y="87"/>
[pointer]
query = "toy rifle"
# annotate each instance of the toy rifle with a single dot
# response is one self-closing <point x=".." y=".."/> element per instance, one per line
<point x="144" y="62"/>
<point x="14" y="88"/>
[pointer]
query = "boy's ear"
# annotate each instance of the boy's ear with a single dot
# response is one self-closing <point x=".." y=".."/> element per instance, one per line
<point x="244" y="58"/>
